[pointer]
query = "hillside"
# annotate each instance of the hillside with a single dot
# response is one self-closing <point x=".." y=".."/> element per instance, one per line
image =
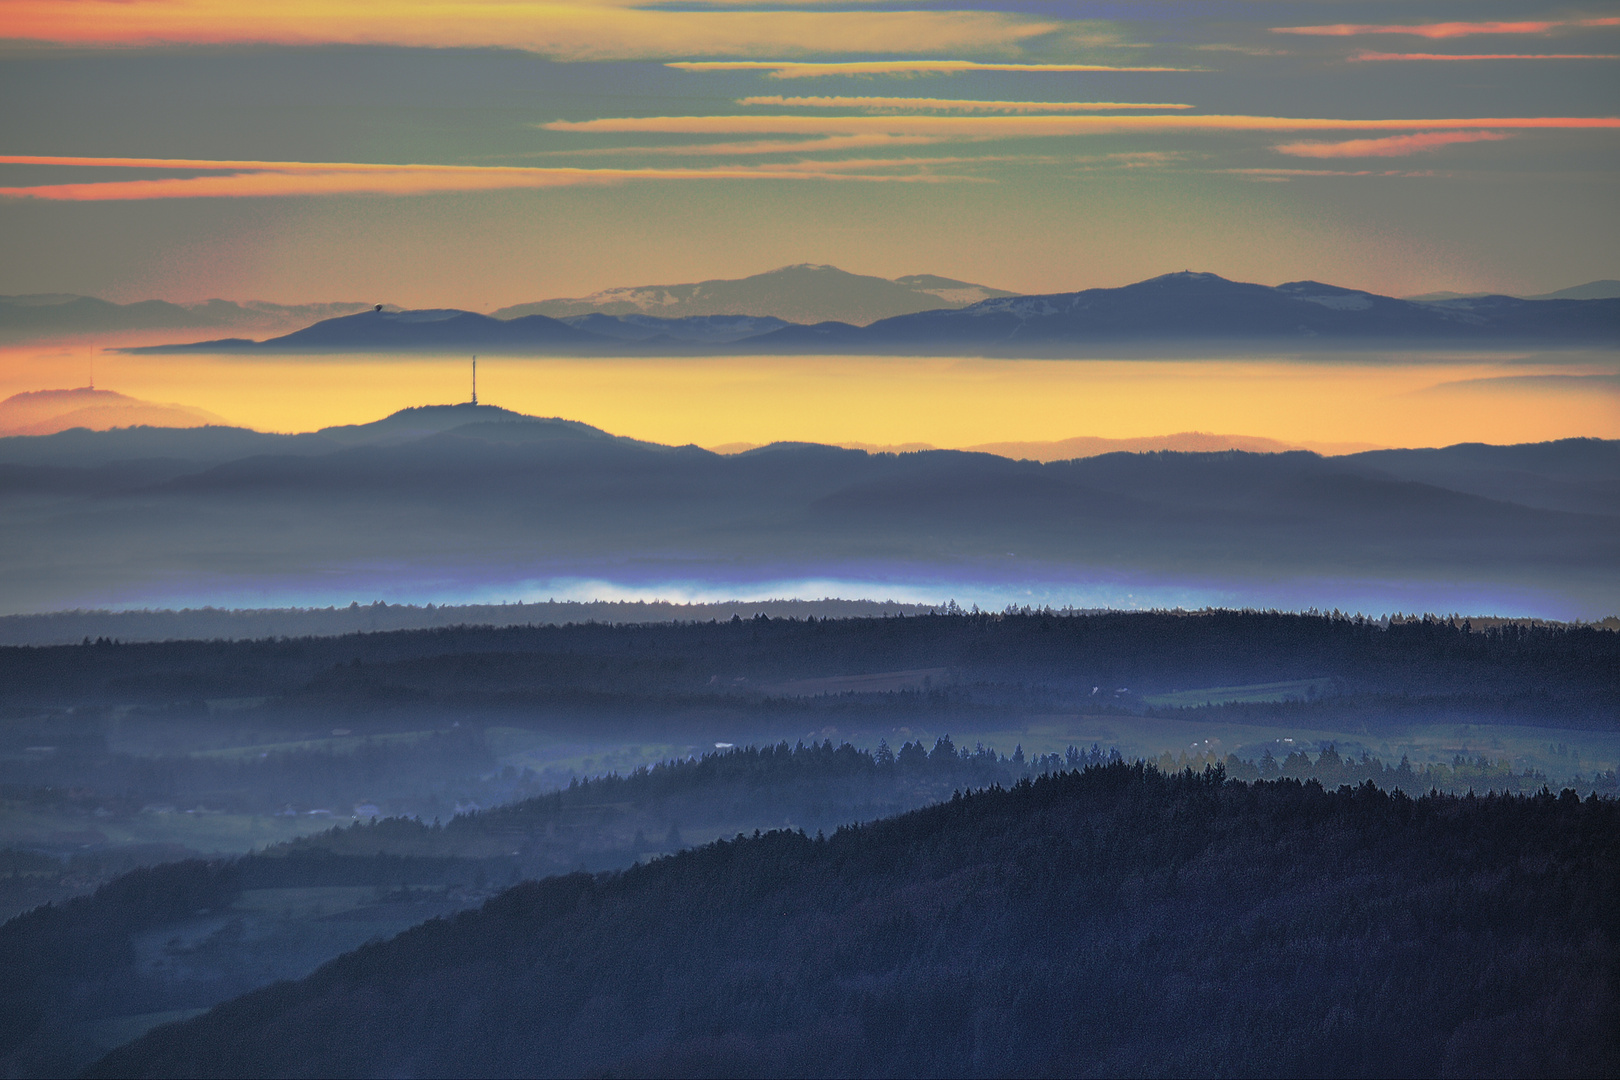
<point x="1109" y="921"/>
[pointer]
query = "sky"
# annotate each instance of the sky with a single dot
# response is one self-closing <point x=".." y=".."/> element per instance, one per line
<point x="486" y="153"/>
<point x="1353" y="402"/>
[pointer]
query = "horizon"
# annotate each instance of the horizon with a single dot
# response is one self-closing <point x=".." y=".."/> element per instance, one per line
<point x="1321" y="449"/>
<point x="744" y="275"/>
<point x="1414" y="401"/>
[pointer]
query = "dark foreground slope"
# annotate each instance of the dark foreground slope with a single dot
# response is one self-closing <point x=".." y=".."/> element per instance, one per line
<point x="1112" y="921"/>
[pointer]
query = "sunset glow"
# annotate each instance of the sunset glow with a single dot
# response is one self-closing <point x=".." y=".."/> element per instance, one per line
<point x="889" y="400"/>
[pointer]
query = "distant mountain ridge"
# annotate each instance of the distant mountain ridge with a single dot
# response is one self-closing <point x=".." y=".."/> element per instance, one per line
<point x="1186" y="310"/>
<point x="1604" y="289"/>
<point x="1201" y="308"/>
<point x="1082" y="446"/>
<point x="433" y="496"/>
<point x="805" y="293"/>
<point x="46" y="412"/>
<point x="707" y="313"/>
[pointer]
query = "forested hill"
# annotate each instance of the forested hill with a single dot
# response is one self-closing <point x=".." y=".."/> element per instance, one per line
<point x="1109" y="921"/>
<point x="1088" y="662"/>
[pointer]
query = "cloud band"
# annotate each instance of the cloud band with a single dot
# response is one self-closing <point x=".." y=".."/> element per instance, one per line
<point x="263" y="179"/>
<point x="793" y="69"/>
<point x="1035" y="126"/>
<point x="1448" y="29"/>
<point x="1393" y="146"/>
<point x="951" y="104"/>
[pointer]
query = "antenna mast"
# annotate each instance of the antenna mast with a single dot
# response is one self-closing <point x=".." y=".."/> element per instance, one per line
<point x="475" y="380"/>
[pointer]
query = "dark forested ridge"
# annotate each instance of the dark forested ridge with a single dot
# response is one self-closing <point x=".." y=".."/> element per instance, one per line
<point x="185" y="935"/>
<point x="1125" y="654"/>
<point x="236" y="624"/>
<point x="1108" y="921"/>
<point x="189" y="934"/>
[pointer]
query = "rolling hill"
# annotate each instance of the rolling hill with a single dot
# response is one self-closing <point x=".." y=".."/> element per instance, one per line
<point x="464" y="494"/>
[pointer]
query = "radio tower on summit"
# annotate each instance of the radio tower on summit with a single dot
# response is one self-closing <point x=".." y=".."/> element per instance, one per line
<point x="475" y="381"/>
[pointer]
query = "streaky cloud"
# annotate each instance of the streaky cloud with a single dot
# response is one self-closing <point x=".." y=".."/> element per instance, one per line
<point x="1032" y="126"/>
<point x="1369" y="56"/>
<point x="564" y="29"/>
<point x="1393" y="146"/>
<point x="1291" y="174"/>
<point x="951" y="104"/>
<point x="797" y="69"/>
<point x="262" y="179"/>
<point x="813" y="145"/>
<point x="1442" y="30"/>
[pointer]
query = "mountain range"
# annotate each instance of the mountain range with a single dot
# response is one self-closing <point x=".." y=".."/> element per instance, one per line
<point x="1605" y="289"/>
<point x="1083" y="446"/>
<point x="806" y="293"/>
<point x="1177" y="311"/>
<point x="46" y="412"/>
<point x="698" y="314"/>
<point x="706" y="312"/>
<point x="477" y="500"/>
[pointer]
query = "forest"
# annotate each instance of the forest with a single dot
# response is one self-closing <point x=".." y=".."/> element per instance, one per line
<point x="1107" y="921"/>
<point x="114" y="755"/>
<point x="187" y="934"/>
<point x="189" y="821"/>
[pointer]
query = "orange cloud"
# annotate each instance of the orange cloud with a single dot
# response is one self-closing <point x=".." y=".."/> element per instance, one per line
<point x="568" y="29"/>
<point x="1393" y="146"/>
<point x="951" y="104"/>
<point x="1447" y="29"/>
<point x="262" y="179"/>
<point x="792" y="69"/>
<point x="1037" y="126"/>
<point x="1291" y="174"/>
<point x="1366" y="55"/>
<point x="821" y="144"/>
